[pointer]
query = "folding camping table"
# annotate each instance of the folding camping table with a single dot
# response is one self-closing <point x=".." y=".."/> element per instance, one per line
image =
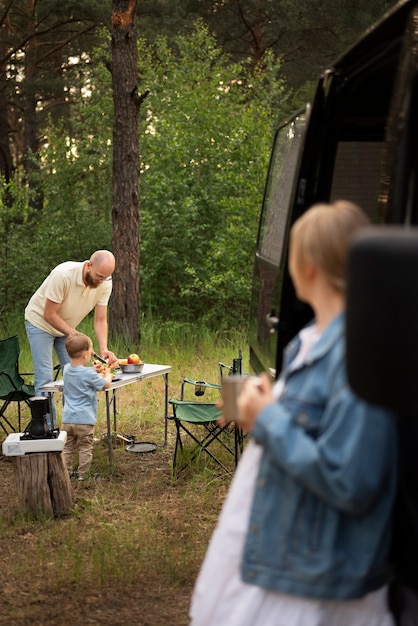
<point x="149" y="371"/>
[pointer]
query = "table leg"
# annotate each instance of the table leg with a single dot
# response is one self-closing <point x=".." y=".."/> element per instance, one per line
<point x="111" y="400"/>
<point x="109" y="431"/>
<point x="166" y="409"/>
<point x="114" y="410"/>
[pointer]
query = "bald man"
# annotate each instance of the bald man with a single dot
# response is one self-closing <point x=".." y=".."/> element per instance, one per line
<point x="66" y="296"/>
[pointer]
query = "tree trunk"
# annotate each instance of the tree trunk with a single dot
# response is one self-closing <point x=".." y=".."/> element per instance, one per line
<point x="30" y="159"/>
<point x="43" y="484"/>
<point x="125" y="301"/>
<point x="6" y="163"/>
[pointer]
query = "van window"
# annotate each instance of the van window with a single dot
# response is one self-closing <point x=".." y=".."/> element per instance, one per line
<point x="357" y="171"/>
<point x="279" y="188"/>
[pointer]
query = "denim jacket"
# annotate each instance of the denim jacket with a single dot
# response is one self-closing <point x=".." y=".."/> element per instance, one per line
<point x="320" y="521"/>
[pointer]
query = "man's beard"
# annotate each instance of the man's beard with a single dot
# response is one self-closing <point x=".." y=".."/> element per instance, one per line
<point x="90" y="282"/>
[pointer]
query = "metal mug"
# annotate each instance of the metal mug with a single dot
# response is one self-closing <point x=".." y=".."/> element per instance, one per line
<point x="231" y="387"/>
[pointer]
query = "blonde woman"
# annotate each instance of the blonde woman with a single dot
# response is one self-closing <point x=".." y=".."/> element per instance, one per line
<point x="303" y="537"/>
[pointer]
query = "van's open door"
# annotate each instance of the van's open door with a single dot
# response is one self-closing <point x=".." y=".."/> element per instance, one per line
<point x="271" y="249"/>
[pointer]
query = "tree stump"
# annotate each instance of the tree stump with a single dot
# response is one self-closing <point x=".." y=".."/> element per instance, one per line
<point x="43" y="484"/>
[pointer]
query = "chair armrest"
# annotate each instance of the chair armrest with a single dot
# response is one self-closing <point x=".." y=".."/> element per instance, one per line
<point x="4" y="373"/>
<point x="204" y="383"/>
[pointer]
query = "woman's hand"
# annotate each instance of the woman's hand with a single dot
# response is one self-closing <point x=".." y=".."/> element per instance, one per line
<point x="256" y="393"/>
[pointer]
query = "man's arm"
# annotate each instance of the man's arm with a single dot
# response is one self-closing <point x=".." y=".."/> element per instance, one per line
<point x="100" y="330"/>
<point x="51" y="315"/>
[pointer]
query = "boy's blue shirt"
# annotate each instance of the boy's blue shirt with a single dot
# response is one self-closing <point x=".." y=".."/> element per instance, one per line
<point x="80" y="399"/>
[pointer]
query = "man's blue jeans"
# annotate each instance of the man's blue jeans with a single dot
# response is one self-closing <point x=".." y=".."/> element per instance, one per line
<point x="42" y="345"/>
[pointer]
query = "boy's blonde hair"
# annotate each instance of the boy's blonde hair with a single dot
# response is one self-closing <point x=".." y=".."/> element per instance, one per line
<point x="76" y="344"/>
<point x="322" y="235"/>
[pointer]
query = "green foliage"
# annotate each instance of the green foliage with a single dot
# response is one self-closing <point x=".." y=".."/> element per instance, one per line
<point x="206" y="128"/>
<point x="205" y="141"/>
<point x="77" y="188"/>
<point x="16" y="237"/>
<point x="205" y="136"/>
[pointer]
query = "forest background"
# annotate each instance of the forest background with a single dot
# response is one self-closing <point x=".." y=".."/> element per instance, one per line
<point x="214" y="80"/>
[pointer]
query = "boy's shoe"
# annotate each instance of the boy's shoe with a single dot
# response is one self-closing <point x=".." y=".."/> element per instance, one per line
<point x="80" y="478"/>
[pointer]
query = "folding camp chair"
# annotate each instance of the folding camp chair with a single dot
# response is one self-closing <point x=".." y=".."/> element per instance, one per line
<point x="12" y="386"/>
<point x="197" y="420"/>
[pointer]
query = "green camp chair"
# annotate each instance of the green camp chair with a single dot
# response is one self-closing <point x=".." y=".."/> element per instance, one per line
<point x="12" y="386"/>
<point x="198" y="421"/>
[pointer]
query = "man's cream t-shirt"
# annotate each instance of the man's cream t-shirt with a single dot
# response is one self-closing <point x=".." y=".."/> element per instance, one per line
<point x="65" y="286"/>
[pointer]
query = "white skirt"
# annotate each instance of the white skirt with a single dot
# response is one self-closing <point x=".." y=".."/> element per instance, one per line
<point x="220" y="598"/>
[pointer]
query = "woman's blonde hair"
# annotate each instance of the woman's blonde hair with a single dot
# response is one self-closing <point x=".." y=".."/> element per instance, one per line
<point x="76" y="344"/>
<point x="322" y="235"/>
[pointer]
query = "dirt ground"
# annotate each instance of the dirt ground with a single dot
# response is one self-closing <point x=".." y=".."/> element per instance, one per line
<point x="129" y="609"/>
<point x="30" y="596"/>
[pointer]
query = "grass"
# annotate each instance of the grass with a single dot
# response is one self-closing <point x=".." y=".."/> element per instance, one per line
<point x="130" y="551"/>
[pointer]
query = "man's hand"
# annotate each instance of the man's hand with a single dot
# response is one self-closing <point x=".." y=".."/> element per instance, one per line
<point x="109" y="356"/>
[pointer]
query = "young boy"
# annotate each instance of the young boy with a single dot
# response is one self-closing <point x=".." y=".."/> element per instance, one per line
<point x="80" y="401"/>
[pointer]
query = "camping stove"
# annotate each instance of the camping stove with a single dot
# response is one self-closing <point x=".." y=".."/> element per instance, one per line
<point x="37" y="436"/>
<point x="15" y="445"/>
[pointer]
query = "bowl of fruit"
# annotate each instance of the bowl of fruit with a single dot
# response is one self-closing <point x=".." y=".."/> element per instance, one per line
<point x="131" y="365"/>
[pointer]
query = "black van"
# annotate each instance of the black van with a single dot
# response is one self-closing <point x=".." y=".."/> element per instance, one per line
<point x="358" y="141"/>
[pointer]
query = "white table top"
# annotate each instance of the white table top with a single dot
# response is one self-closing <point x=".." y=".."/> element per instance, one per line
<point x="148" y="371"/>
